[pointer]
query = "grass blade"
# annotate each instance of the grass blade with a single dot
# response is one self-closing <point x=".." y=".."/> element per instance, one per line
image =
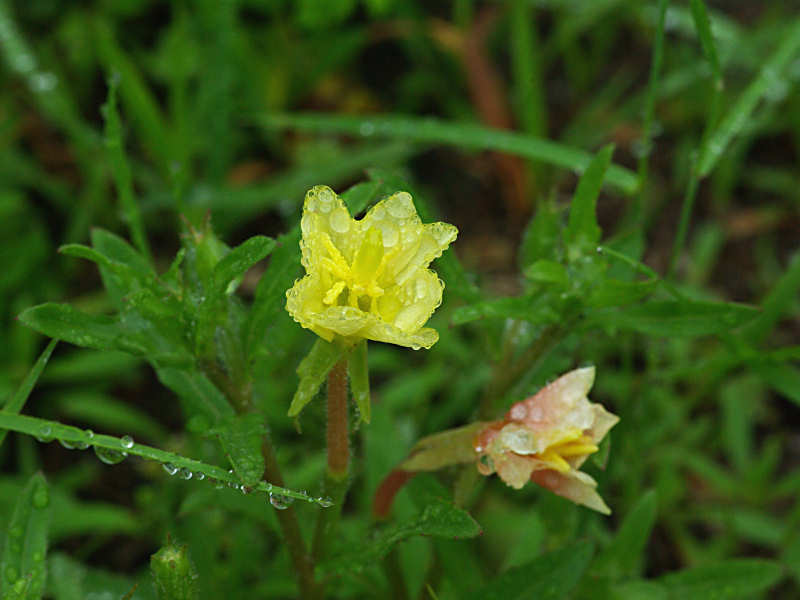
<point x="17" y="401"/>
<point x="463" y="135"/>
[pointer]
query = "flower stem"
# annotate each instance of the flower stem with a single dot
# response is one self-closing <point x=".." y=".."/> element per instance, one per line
<point x="290" y="528"/>
<point x="336" y="475"/>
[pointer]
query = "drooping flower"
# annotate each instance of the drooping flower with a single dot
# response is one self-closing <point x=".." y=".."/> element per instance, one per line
<point x="545" y="439"/>
<point x="368" y="278"/>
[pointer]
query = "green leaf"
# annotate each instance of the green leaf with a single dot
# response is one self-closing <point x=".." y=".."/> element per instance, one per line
<point x="583" y="230"/>
<point x="174" y="574"/>
<point x="541" y="239"/>
<point x="270" y="297"/>
<point x="729" y="579"/>
<point x="780" y="299"/>
<point x="236" y="263"/>
<point x="64" y="322"/>
<point x="17" y="401"/>
<point x="120" y="168"/>
<point x="639" y="589"/>
<point x="241" y="438"/>
<point x="200" y="396"/>
<point x="676" y="318"/>
<point x="781" y="377"/>
<point x="461" y="135"/>
<point x="439" y="519"/>
<point x="549" y="577"/>
<point x="359" y="379"/>
<point x="26" y="542"/>
<point x="703" y="26"/>
<point x="623" y="555"/>
<point x="534" y="310"/>
<point x="312" y="371"/>
<point x="118" y="250"/>
<point x="772" y="73"/>
<point x="547" y="271"/>
<point x="613" y="292"/>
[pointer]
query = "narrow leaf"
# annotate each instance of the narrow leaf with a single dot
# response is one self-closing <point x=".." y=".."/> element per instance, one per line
<point x="622" y="556"/>
<point x="583" y="229"/>
<point x="549" y="577"/>
<point x="729" y="579"/>
<point x="26" y="543"/>
<point x="676" y="318"/>
<point x="64" y="322"/>
<point x="359" y="379"/>
<point x="201" y="397"/>
<point x="702" y="25"/>
<point x="17" y="401"/>
<point x="241" y="438"/>
<point x="312" y="371"/>
<point x="781" y="377"/>
<point x="236" y="263"/>
<point x="772" y="73"/>
<point x="779" y="300"/>
<point x="462" y="135"/>
<point x="547" y="271"/>
<point x="534" y="310"/>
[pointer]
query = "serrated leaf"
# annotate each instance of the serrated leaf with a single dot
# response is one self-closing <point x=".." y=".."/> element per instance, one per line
<point x="622" y="556"/>
<point x="549" y="577"/>
<point x="313" y="370"/>
<point x="583" y="230"/>
<point x="729" y="579"/>
<point x="236" y="263"/>
<point x="241" y="438"/>
<point x="20" y="397"/>
<point x="358" y="370"/>
<point x="676" y="318"/>
<point x="26" y="543"/>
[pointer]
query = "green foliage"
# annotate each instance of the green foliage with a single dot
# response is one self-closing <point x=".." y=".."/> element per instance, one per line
<point x="164" y="148"/>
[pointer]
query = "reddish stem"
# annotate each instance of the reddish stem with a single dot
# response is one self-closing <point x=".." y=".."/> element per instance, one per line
<point x="387" y="490"/>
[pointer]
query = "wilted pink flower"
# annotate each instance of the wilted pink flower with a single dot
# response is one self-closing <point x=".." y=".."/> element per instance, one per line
<point x="547" y="437"/>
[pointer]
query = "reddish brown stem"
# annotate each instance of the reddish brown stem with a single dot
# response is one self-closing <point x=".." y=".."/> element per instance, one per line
<point x="387" y="490"/>
<point x="337" y="430"/>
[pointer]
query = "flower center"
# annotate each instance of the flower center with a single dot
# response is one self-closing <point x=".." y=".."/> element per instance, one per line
<point x="359" y="278"/>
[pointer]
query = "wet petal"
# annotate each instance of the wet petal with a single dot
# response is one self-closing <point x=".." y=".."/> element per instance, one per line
<point x="573" y="485"/>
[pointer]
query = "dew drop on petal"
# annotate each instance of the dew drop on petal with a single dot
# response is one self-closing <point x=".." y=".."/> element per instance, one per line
<point x="340" y="221"/>
<point x="401" y="206"/>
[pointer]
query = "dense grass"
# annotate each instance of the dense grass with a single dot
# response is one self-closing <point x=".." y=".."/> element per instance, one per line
<point x="624" y="177"/>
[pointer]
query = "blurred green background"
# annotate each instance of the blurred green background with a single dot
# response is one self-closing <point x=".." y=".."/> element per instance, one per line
<point x="234" y="109"/>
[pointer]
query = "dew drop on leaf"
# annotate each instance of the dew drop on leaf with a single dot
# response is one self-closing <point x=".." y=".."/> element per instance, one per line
<point x="126" y="441"/>
<point x="170" y="468"/>
<point x="109" y="456"/>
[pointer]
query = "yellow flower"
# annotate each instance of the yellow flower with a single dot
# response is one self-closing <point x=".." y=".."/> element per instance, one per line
<point x="368" y="278"/>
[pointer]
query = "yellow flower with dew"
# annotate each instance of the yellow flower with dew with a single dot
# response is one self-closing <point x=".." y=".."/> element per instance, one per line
<point x="368" y="278"/>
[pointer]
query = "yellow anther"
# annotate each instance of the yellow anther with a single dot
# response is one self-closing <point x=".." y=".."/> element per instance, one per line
<point x="554" y="460"/>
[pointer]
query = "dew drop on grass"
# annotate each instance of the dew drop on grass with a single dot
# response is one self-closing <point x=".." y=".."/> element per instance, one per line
<point x="280" y="502"/>
<point x="199" y="476"/>
<point x="45" y="434"/>
<point x="325" y="502"/>
<point x="170" y="468"/>
<point x="67" y="444"/>
<point x="109" y="456"/>
<point x="127" y="441"/>
<point x="185" y="473"/>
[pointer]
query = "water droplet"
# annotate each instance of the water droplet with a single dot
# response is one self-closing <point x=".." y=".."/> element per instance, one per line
<point x="127" y="442"/>
<point x="185" y="473"/>
<point x="389" y="234"/>
<point x="400" y="206"/>
<point x="67" y="444"/>
<point x="43" y="82"/>
<point x="109" y="456"/>
<point x="366" y="128"/>
<point x="280" y="502"/>
<point x="325" y="502"/>
<point x="41" y="498"/>
<point x="218" y="485"/>
<point x="169" y="468"/>
<point x="268" y="487"/>
<point x="45" y="434"/>
<point x="518" y="412"/>
<point x="340" y="221"/>
<point x="199" y="476"/>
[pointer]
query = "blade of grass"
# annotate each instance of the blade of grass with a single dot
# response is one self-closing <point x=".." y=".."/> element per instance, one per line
<point x="121" y="170"/>
<point x="78" y="437"/>
<point x="739" y="114"/>
<point x="649" y="105"/>
<point x="463" y="135"/>
<point x="530" y="104"/>
<point x="17" y="401"/>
